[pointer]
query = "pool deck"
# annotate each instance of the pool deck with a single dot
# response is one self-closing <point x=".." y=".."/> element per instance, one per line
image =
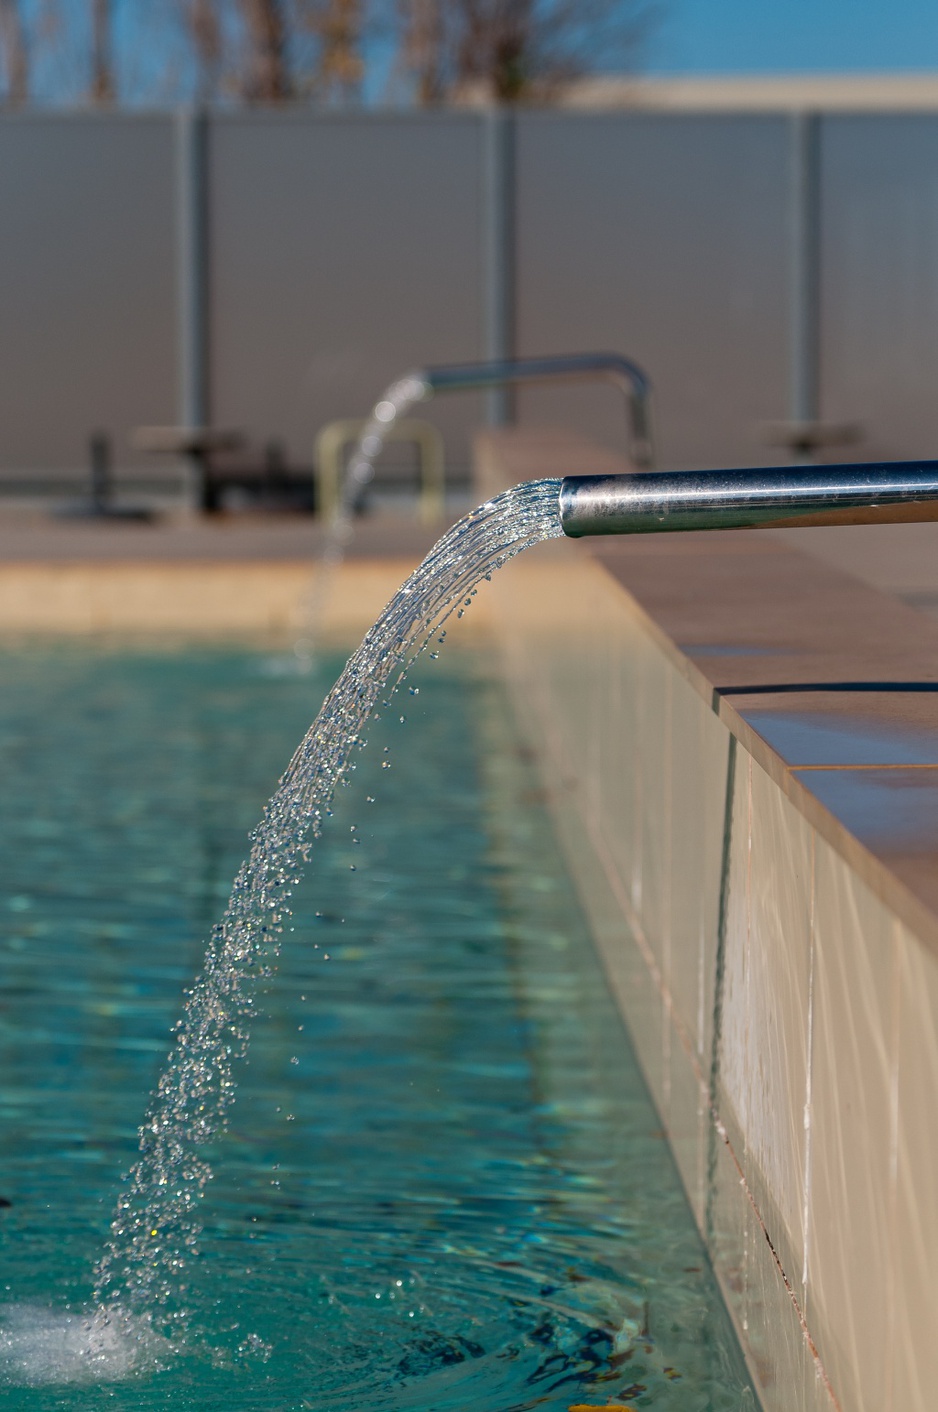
<point x="739" y="733"/>
<point x="31" y="536"/>
<point x="230" y="575"/>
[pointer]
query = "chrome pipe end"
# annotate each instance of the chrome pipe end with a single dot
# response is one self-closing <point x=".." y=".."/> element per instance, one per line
<point x="594" y="505"/>
<point x="762" y="498"/>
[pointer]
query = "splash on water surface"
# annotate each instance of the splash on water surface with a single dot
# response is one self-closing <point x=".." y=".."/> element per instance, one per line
<point x="40" y="1346"/>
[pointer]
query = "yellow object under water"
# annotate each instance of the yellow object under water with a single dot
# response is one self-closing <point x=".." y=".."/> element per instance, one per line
<point x="600" y="1407"/>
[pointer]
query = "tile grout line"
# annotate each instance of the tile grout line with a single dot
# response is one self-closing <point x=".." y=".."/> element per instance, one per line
<point x="810" y="768"/>
<point x="747" y="1012"/>
<point x="668" y="865"/>
<point x="895" y="1016"/>
<point x="809" y="1074"/>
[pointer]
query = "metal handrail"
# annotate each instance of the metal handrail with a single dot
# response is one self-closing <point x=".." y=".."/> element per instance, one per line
<point x="609" y="367"/>
<point x="885" y="492"/>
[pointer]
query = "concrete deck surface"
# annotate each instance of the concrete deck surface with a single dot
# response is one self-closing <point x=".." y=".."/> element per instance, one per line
<point x="32" y="535"/>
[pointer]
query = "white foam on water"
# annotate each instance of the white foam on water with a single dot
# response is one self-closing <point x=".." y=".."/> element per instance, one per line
<point x="39" y="1346"/>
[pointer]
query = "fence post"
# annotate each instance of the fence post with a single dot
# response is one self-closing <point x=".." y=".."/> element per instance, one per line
<point x="498" y="253"/>
<point x="192" y="255"/>
<point x="805" y="268"/>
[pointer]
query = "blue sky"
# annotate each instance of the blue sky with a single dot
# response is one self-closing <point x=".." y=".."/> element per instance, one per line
<point x="791" y="36"/>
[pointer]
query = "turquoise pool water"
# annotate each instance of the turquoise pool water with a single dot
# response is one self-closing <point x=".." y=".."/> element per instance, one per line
<point x="443" y="1186"/>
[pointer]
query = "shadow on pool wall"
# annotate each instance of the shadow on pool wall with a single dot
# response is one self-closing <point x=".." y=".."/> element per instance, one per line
<point x="771" y="941"/>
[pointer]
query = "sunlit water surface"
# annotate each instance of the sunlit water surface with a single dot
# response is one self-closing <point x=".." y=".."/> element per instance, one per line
<point x="443" y="1185"/>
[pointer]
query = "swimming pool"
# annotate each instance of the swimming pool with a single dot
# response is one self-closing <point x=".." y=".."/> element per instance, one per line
<point x="443" y="1185"/>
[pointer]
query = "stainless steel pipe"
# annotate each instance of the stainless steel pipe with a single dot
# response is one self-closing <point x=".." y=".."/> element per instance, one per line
<point x="609" y="367"/>
<point x="772" y="498"/>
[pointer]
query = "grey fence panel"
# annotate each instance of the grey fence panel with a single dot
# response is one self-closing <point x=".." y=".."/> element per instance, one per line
<point x="879" y="301"/>
<point x="87" y="318"/>
<point x="664" y="237"/>
<point x="344" y="251"/>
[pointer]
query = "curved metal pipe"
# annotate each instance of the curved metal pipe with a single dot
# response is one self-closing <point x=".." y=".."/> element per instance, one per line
<point x="771" y="498"/>
<point x="610" y="367"/>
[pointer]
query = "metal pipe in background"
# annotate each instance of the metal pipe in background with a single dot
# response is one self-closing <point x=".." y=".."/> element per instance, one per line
<point x="498" y="244"/>
<point x="805" y="268"/>
<point x="192" y="256"/>
<point x="771" y="498"/>
<point x="632" y="381"/>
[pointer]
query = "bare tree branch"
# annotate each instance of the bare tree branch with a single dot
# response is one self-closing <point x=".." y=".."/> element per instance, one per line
<point x="202" y="22"/>
<point x="15" y="53"/>
<point x="515" y="50"/>
<point x="338" y="28"/>
<point x="103" y="89"/>
<point x="275" y="51"/>
<point x="424" y="46"/>
<point x="267" y="79"/>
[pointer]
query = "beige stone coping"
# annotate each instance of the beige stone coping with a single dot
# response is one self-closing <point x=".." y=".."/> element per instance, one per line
<point x="208" y="599"/>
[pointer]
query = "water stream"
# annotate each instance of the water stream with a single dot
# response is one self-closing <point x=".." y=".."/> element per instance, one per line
<point x="140" y="1280"/>
<point x="393" y="404"/>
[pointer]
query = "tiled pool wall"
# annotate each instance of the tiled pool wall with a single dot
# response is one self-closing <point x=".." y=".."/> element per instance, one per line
<point x="784" y="1014"/>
